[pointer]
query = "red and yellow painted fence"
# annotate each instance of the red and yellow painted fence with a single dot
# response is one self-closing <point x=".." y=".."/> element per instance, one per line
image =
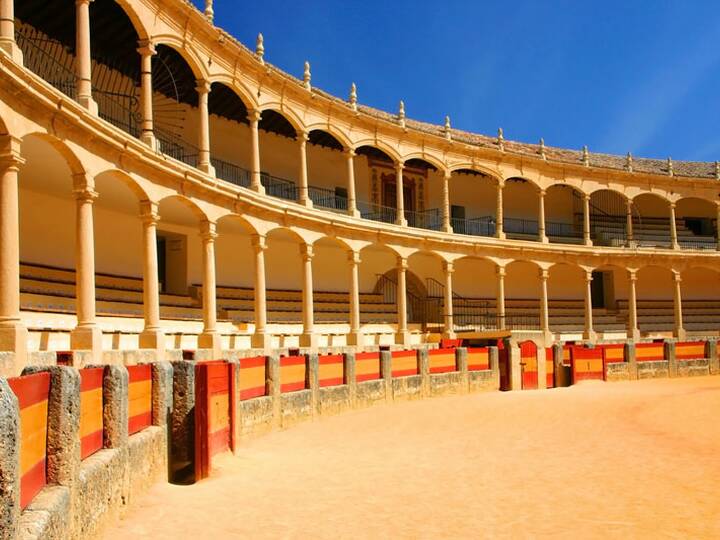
<point x="367" y="366"/>
<point x="587" y="364"/>
<point x="331" y="370"/>
<point x="139" y="398"/>
<point x="253" y="377"/>
<point x="549" y="368"/>
<point x="404" y="363"/>
<point x="91" y="411"/>
<point x="649" y="352"/>
<point x="689" y="350"/>
<point x="567" y="355"/>
<point x="442" y="360"/>
<point x="214" y="413"/>
<point x="293" y="373"/>
<point x="528" y="361"/>
<point x="33" y="394"/>
<point x="478" y="358"/>
<point x="613" y="353"/>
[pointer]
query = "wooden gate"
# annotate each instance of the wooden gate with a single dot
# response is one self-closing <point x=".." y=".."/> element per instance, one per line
<point x="504" y="365"/>
<point x="214" y="413"/>
<point x="549" y="368"/>
<point x="587" y="364"/>
<point x="529" y="365"/>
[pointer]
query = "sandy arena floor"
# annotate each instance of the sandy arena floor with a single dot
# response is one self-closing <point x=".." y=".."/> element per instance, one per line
<point x="622" y="460"/>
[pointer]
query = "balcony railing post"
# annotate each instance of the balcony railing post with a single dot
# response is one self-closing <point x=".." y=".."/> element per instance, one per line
<point x="203" y="90"/>
<point x="400" y="198"/>
<point x="351" y="201"/>
<point x="7" y="30"/>
<point x="586" y="221"/>
<point x="446" y="225"/>
<point x="303" y="194"/>
<point x="83" y="61"/>
<point x="500" y="301"/>
<point x="146" y="49"/>
<point x="542" y="237"/>
<point x="499" y="232"/>
<point x="673" y="228"/>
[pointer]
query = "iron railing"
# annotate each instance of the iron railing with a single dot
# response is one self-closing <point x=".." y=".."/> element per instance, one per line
<point x="48" y="59"/>
<point x="520" y="226"/>
<point x="493" y="321"/>
<point x="231" y="173"/>
<point x="428" y="219"/>
<point x="482" y="226"/>
<point x="173" y="146"/>
<point x="279" y="187"/>
<point x="377" y="212"/>
<point x="327" y="198"/>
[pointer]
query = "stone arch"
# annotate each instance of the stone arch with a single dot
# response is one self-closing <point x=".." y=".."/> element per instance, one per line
<point x="564" y="212"/>
<point x="332" y="130"/>
<point x="238" y="87"/>
<point x="191" y="57"/>
<point x="379" y="145"/>
<point x="428" y="158"/>
<point x="135" y="19"/>
<point x="470" y="166"/>
<point x="286" y="113"/>
<point x="71" y="159"/>
<point x="137" y="189"/>
<point x="244" y="223"/>
<point x="197" y="212"/>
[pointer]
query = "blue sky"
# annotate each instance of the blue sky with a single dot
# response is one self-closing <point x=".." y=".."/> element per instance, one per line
<point x="618" y="76"/>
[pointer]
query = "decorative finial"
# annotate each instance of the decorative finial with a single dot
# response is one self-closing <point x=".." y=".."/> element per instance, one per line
<point x="717" y="170"/>
<point x="629" y="162"/>
<point x="670" y="167"/>
<point x="353" y="96"/>
<point x="586" y="156"/>
<point x="306" y="75"/>
<point x="448" y="135"/>
<point x="401" y="114"/>
<point x="209" y="13"/>
<point x="501" y="140"/>
<point x="260" y="48"/>
<point x="542" y="148"/>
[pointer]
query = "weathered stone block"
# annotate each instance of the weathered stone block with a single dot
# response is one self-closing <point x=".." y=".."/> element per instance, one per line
<point x="255" y="416"/>
<point x="182" y="422"/>
<point x="47" y="517"/>
<point x="442" y="384"/>
<point x="652" y="370"/>
<point x="333" y="400"/>
<point x="102" y="488"/>
<point x="693" y="368"/>
<point x="370" y="393"/>
<point x="295" y="407"/>
<point x="407" y="387"/>
<point x="617" y="371"/>
<point x="483" y="381"/>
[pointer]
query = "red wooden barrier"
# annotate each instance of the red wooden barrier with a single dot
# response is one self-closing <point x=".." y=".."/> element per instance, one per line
<point x="549" y="368"/>
<point x="478" y="359"/>
<point x="567" y="355"/>
<point x="504" y="364"/>
<point x="690" y="350"/>
<point x="528" y="361"/>
<point x="292" y="373"/>
<point x="404" y="363"/>
<point x="139" y="398"/>
<point x="91" y="411"/>
<point x="450" y="343"/>
<point x="613" y="352"/>
<point x="253" y="377"/>
<point x="648" y="352"/>
<point x="587" y="364"/>
<point x="33" y="394"/>
<point x="214" y="413"/>
<point x="442" y="360"/>
<point x="331" y="370"/>
<point x="367" y="366"/>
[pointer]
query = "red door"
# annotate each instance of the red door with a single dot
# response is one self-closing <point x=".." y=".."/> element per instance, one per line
<point x="528" y="363"/>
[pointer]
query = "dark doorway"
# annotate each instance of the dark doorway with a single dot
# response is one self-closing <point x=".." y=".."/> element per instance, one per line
<point x="597" y="290"/>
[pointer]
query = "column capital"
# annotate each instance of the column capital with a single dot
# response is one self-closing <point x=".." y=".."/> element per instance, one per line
<point x="353" y="258"/>
<point x="306" y="251"/>
<point x="544" y="274"/>
<point x="254" y="115"/>
<point x="542" y="192"/>
<point x="586" y="197"/>
<point x="83" y="2"/>
<point x="350" y="152"/>
<point x="259" y="242"/>
<point x="11" y="155"/>
<point x="149" y="212"/>
<point x="588" y="275"/>
<point x="632" y="275"/>
<point x="208" y="231"/>
<point x="500" y="271"/>
<point x="202" y="86"/>
<point x="303" y="136"/>
<point x="85" y="194"/>
<point x="399" y="166"/>
<point x="672" y="205"/>
<point x="447" y="174"/>
<point x="449" y="267"/>
<point x="146" y="47"/>
<point x="402" y="263"/>
<point x="501" y="183"/>
<point x="677" y="276"/>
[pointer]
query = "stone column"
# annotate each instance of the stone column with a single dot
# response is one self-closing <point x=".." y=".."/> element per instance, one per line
<point x="308" y="337"/>
<point x="255" y="184"/>
<point x="352" y="199"/>
<point x="679" y="331"/>
<point x="83" y="61"/>
<point x="633" y="331"/>
<point x="629" y="223"/>
<point x="146" y="49"/>
<point x="544" y="311"/>
<point x="7" y="30"/>
<point x="210" y="338"/>
<point x="449" y="332"/>
<point x="673" y="228"/>
<point x="500" y="300"/>
<point x="586" y="221"/>
<point x="203" y="91"/>
<point x="400" y="198"/>
<point x="86" y="335"/>
<point x="355" y="335"/>
<point x="403" y="335"/>
<point x="542" y="237"/>
<point x="446" y="224"/>
<point x="13" y="334"/>
<point x="499" y="232"/>
<point x="588" y="332"/>
<point x="260" y="339"/>
<point x="152" y="335"/>
<point x="303" y="190"/>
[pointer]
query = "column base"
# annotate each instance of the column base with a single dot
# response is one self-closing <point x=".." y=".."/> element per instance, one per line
<point x="152" y="338"/>
<point x="12" y="49"/>
<point x="544" y="239"/>
<point x="401" y="221"/>
<point x="207" y="168"/>
<point x="307" y="203"/>
<point x="590" y="335"/>
<point x="210" y="340"/>
<point x="402" y="338"/>
<point x="148" y="137"/>
<point x="309" y="340"/>
<point x="676" y="246"/>
<point x="14" y="338"/>
<point x="587" y="243"/>
<point x="500" y="235"/>
<point x="633" y="334"/>
<point x="448" y="229"/>
<point x="261" y="340"/>
<point x="354" y="212"/>
<point x="258" y="188"/>
<point x="87" y="338"/>
<point x="679" y="333"/>
<point x="449" y="334"/>
<point x="355" y="339"/>
<point x="89" y="103"/>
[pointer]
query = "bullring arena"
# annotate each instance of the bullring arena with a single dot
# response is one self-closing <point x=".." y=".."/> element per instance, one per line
<point x="199" y="251"/>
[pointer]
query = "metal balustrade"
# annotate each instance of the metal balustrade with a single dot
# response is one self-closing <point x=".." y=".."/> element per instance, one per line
<point x="279" y="187"/>
<point x="231" y="173"/>
<point x="482" y="226"/>
<point x="377" y="212"/>
<point x="327" y="198"/>
<point x="492" y="321"/>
